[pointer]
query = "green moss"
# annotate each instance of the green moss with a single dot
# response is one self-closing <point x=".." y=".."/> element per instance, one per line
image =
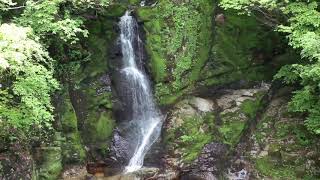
<point x="99" y="127"/>
<point x="73" y="150"/>
<point x="104" y="126"/>
<point x="193" y="134"/>
<point x="236" y="39"/>
<point x="68" y="117"/>
<point x="263" y="129"/>
<point x="167" y="99"/>
<point x="115" y="10"/>
<point x="134" y="2"/>
<point x="193" y="139"/>
<point x="241" y="51"/>
<point x="234" y="123"/>
<point x="51" y="163"/>
<point x="257" y="73"/>
<point x="269" y="168"/>
<point x="145" y="13"/>
<point x="251" y="107"/>
<point x="178" y="43"/>
<point x="287" y="141"/>
<point x="231" y="131"/>
<point x="158" y="65"/>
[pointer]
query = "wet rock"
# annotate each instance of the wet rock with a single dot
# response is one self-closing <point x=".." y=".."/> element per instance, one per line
<point x="120" y="148"/>
<point x="240" y="175"/>
<point x="212" y="158"/>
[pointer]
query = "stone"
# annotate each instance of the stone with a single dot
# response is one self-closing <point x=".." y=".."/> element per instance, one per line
<point x="146" y="172"/>
<point x="17" y="165"/>
<point x="120" y="148"/>
<point x="199" y="176"/>
<point x="203" y="105"/>
<point x="210" y="163"/>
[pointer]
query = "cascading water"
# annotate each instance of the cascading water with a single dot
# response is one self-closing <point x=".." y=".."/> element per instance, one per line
<point x="145" y="119"/>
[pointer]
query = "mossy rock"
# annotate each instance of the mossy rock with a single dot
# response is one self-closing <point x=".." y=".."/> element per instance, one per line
<point x="250" y="107"/>
<point x="189" y="131"/>
<point x="91" y="88"/>
<point x="234" y="123"/>
<point x="287" y="142"/>
<point x="99" y="127"/>
<point x="51" y="163"/>
<point x="68" y="117"/>
<point x="116" y="10"/>
<point x="145" y="13"/>
<point x="191" y="137"/>
<point x="232" y="130"/>
<point x="134" y="2"/>
<point x="73" y="149"/>
<point x="178" y="42"/>
<point x="269" y="168"/>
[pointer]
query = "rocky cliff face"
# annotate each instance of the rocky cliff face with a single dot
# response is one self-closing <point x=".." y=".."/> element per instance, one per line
<point x="239" y="133"/>
<point x="209" y="68"/>
<point x="194" y="44"/>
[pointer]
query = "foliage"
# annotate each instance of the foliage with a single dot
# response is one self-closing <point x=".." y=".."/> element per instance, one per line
<point x="46" y="19"/>
<point x="270" y="168"/>
<point x="26" y="79"/>
<point x="5" y="4"/>
<point x="302" y="29"/>
<point x="193" y="137"/>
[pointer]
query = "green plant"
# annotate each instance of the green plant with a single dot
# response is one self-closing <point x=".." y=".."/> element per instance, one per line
<point x="179" y="45"/>
<point x="194" y="138"/>
<point x="300" y="21"/>
<point x="26" y="78"/>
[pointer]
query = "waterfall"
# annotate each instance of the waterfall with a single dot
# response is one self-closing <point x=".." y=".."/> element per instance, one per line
<point x="145" y="119"/>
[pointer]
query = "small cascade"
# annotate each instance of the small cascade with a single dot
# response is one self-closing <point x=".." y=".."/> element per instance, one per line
<point x="145" y="119"/>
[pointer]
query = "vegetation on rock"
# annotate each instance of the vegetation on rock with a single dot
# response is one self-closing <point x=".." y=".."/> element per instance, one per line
<point x="57" y="101"/>
<point x="300" y="21"/>
<point x="26" y="83"/>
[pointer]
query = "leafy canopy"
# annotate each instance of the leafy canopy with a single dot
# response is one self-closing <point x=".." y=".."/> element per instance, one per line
<point x="45" y="19"/>
<point x="39" y="37"/>
<point x="26" y="79"/>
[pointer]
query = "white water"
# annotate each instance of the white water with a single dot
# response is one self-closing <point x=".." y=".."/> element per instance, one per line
<point x="146" y="121"/>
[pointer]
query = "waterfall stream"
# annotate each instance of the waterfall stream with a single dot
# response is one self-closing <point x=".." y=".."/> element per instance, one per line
<point x="145" y="119"/>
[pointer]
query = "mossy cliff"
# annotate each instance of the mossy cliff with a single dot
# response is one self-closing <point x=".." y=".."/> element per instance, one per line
<point x="84" y="119"/>
<point x="193" y="44"/>
<point x="89" y="87"/>
<point x="178" y="41"/>
<point x="196" y="53"/>
<point x="282" y="148"/>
